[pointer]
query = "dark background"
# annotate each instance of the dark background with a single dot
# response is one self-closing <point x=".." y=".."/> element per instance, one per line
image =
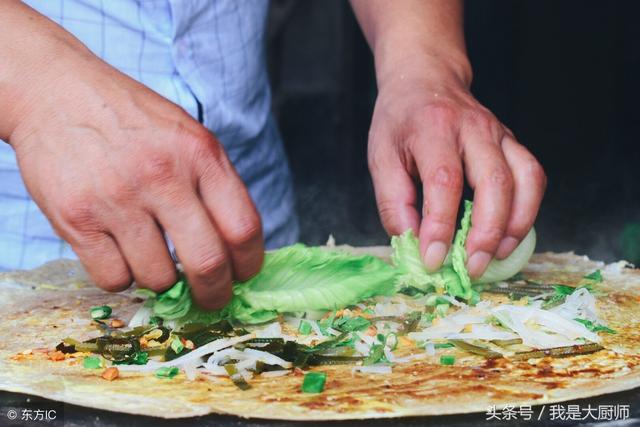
<point x="562" y="75"/>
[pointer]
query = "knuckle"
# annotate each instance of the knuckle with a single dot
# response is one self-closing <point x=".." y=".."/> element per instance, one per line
<point x="439" y="113"/>
<point x="115" y="282"/>
<point x="159" y="280"/>
<point x="119" y="192"/>
<point x="441" y="221"/>
<point x="78" y="212"/>
<point x="490" y="236"/>
<point x="210" y="265"/>
<point x="244" y="232"/>
<point x="485" y="124"/>
<point x="501" y="178"/>
<point x="447" y="177"/>
<point x="157" y="169"/>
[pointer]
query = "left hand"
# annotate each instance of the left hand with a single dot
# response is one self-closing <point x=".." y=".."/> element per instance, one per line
<point x="428" y="126"/>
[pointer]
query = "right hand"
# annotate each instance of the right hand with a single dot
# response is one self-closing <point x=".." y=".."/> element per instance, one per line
<point x="113" y="164"/>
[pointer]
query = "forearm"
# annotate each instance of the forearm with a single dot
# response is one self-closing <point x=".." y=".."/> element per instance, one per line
<point x="32" y="51"/>
<point x="415" y="36"/>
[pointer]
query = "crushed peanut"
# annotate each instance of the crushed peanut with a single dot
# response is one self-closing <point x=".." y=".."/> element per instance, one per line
<point x="56" y="355"/>
<point x="111" y="373"/>
<point x="116" y="323"/>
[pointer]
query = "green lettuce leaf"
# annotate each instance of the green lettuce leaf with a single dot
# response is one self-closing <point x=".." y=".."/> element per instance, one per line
<point x="293" y="279"/>
<point x="452" y="278"/>
<point x="301" y="278"/>
<point x="459" y="255"/>
<point x="411" y="270"/>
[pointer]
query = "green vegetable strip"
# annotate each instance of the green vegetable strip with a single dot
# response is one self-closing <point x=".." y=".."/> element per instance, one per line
<point x="314" y="382"/>
<point x="236" y="377"/>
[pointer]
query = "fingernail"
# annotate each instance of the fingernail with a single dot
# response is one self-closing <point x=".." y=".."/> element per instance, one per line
<point x="434" y="255"/>
<point x="477" y="263"/>
<point x="507" y="245"/>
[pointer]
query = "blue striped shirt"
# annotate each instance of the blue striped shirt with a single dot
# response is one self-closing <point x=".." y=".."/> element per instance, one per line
<point x="206" y="56"/>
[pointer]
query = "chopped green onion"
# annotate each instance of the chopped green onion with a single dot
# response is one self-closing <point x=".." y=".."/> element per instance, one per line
<point x="594" y="327"/>
<point x="167" y="372"/>
<point x="327" y="323"/>
<point x="304" y="328"/>
<point x="140" y="358"/>
<point x="92" y="362"/>
<point x="596" y="276"/>
<point x="313" y="382"/>
<point x="100" y="313"/>
<point x="376" y="353"/>
<point x="447" y="359"/>
<point x="177" y="346"/>
<point x="368" y="311"/>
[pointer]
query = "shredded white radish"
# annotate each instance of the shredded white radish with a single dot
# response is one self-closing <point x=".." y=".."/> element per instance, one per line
<point x="430" y="349"/>
<point x="453" y="301"/>
<point x="362" y="348"/>
<point x="273" y="330"/>
<point x="193" y="356"/>
<point x="190" y="371"/>
<point x="521" y="320"/>
<point x="141" y="317"/>
<point x="369" y="340"/>
<point x="580" y="304"/>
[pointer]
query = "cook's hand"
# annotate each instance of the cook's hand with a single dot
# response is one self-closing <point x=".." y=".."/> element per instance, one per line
<point x="113" y="165"/>
<point x="427" y="125"/>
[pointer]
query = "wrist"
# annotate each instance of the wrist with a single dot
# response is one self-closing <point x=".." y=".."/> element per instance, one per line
<point x="449" y="66"/>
